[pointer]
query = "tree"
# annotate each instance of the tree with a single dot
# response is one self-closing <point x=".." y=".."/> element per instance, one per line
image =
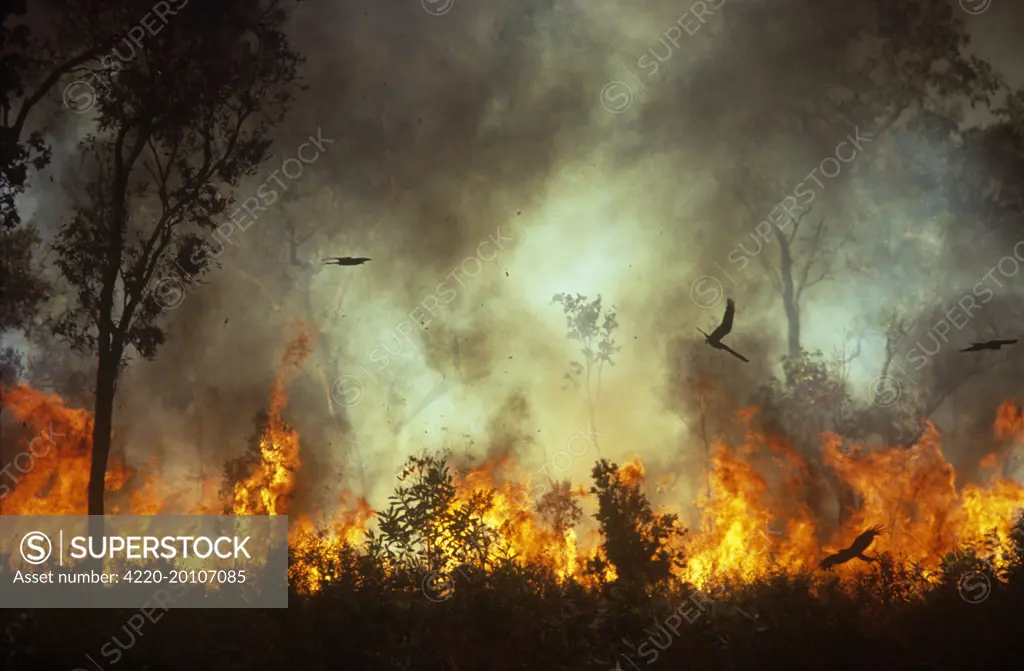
<point x="700" y="394"/>
<point x="187" y="118"/>
<point x="595" y="331"/>
<point x="425" y="527"/>
<point x="238" y="469"/>
<point x="918" y="75"/>
<point x="804" y="261"/>
<point x="29" y="69"/>
<point x="636" y="541"/>
<point x="810" y="399"/>
<point x="559" y="509"/>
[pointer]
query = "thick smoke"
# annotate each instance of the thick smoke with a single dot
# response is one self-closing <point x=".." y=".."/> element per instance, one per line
<point x="475" y="160"/>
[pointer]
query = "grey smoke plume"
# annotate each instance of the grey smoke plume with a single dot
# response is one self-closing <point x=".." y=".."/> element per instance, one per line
<point x="477" y="164"/>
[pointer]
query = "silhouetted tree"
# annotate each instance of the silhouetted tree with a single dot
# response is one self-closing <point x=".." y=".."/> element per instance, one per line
<point x="594" y="328"/>
<point x="636" y="541"/>
<point x="187" y="118"/>
<point x="558" y="507"/>
<point x="237" y="469"/>
<point x="808" y="400"/>
<point x="424" y="526"/>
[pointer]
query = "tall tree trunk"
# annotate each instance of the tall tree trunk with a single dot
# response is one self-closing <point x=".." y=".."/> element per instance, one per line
<point x="789" y="298"/>
<point x="109" y="345"/>
<point x="818" y="472"/>
<point x="106" y="382"/>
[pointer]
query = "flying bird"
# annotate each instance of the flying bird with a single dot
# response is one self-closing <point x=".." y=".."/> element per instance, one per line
<point x="991" y="344"/>
<point x="346" y="261"/>
<point x="715" y="339"/>
<point x="856" y="549"/>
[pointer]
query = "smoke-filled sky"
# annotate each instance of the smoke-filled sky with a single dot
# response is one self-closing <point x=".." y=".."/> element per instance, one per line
<point x="532" y="147"/>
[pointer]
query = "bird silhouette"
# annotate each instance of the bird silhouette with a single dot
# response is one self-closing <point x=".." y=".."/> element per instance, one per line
<point x="346" y="261"/>
<point x="715" y="339"/>
<point x="990" y="344"/>
<point x="856" y="549"/>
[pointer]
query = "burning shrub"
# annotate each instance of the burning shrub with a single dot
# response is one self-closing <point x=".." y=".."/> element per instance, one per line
<point x="426" y="527"/>
<point x="637" y="542"/>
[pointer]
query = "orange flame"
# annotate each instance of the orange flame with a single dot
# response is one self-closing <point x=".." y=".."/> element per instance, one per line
<point x="755" y="516"/>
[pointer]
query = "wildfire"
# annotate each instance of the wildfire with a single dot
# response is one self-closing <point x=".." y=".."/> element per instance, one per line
<point x="319" y="547"/>
<point x="52" y="473"/>
<point x="269" y="489"/>
<point x="755" y="513"/>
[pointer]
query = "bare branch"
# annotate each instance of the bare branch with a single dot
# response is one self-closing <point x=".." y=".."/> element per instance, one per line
<point x="796" y="224"/>
<point x="814" y="254"/>
<point x="54" y="76"/>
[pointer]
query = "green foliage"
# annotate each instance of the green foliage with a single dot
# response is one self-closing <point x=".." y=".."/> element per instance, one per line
<point x="424" y="524"/>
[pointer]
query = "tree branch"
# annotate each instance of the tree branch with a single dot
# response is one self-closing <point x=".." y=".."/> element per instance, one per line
<point x="48" y="83"/>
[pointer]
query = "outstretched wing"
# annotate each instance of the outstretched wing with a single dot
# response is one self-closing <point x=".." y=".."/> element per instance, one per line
<point x="840" y="557"/>
<point x="726" y="326"/>
<point x="347" y="260"/>
<point x="734" y="352"/>
<point x="861" y="543"/>
<point x="1004" y="342"/>
<point x="974" y="348"/>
